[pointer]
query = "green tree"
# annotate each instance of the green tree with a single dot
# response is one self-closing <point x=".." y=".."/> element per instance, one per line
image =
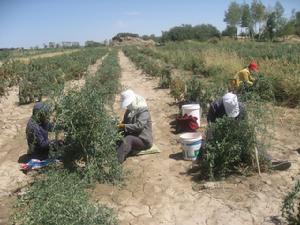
<point x="233" y="14"/>
<point x="205" y="31"/>
<point x="187" y="32"/>
<point x="280" y="20"/>
<point x="258" y="14"/>
<point x="297" y="23"/>
<point x="246" y="20"/>
<point x="229" y="31"/>
<point x="271" y="25"/>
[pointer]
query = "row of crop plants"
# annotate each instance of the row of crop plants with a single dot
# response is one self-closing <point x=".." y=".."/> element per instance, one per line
<point x="233" y="146"/>
<point x="279" y="64"/>
<point x="44" y="76"/>
<point x="24" y="53"/>
<point x="59" y="195"/>
<point x="182" y="87"/>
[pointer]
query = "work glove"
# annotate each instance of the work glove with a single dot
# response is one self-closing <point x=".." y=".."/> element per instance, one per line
<point x="121" y="126"/>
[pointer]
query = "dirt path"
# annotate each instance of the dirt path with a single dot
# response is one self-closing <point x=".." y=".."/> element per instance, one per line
<point x="159" y="191"/>
<point x="13" y="120"/>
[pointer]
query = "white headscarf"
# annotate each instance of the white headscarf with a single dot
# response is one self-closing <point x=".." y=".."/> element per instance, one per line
<point x="231" y="105"/>
<point x="132" y="101"/>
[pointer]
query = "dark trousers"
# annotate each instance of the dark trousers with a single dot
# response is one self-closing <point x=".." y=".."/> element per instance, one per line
<point x="127" y="145"/>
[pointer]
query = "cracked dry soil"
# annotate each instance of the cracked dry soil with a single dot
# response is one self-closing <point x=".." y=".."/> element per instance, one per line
<point x="158" y="190"/>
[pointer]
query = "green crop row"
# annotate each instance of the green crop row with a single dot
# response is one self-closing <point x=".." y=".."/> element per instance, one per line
<point x="42" y="76"/>
<point x="220" y="62"/>
<point x="150" y="65"/>
<point x="89" y="154"/>
<point x="91" y="133"/>
<point x="59" y="198"/>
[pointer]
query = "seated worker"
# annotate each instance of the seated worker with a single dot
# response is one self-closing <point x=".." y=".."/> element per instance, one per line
<point x="37" y="132"/>
<point x="136" y="124"/>
<point x="227" y="105"/>
<point x="245" y="75"/>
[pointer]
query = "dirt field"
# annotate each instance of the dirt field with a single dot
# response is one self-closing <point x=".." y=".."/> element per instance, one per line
<point x="158" y="189"/>
<point x="13" y="120"/>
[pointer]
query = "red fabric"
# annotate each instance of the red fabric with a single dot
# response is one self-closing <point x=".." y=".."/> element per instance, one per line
<point x="253" y="66"/>
<point x="187" y="123"/>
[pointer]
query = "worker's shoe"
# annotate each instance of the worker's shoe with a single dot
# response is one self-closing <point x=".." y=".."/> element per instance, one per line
<point x="280" y="165"/>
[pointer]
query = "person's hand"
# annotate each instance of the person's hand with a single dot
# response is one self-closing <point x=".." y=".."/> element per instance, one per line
<point x="121" y="125"/>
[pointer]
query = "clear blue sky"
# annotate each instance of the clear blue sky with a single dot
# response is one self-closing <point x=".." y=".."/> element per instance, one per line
<point x="25" y="23"/>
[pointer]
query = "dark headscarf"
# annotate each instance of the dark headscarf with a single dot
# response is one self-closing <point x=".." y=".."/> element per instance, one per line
<point x="40" y="111"/>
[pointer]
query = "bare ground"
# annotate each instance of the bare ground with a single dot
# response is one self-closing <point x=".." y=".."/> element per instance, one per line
<point x="158" y="189"/>
<point x="13" y="120"/>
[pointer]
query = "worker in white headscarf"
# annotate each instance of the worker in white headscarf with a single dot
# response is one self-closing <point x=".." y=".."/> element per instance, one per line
<point x="230" y="106"/>
<point x="227" y="105"/>
<point x="136" y="124"/>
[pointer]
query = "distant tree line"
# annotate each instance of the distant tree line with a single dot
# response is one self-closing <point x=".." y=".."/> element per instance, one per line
<point x="256" y="21"/>
<point x="187" y="32"/>
<point x="119" y="36"/>
<point x="94" y="44"/>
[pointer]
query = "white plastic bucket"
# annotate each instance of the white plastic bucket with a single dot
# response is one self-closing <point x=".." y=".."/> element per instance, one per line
<point x="193" y="110"/>
<point x="190" y="144"/>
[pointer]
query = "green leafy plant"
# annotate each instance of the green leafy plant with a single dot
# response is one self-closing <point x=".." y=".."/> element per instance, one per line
<point x="291" y="206"/>
<point x="262" y="90"/>
<point x="165" y="78"/>
<point x="229" y="148"/>
<point x="177" y="88"/>
<point x="58" y="198"/>
<point x="91" y="133"/>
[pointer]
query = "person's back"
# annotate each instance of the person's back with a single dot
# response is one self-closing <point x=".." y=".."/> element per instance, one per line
<point x="136" y="124"/>
<point x="244" y="76"/>
<point x="227" y="105"/>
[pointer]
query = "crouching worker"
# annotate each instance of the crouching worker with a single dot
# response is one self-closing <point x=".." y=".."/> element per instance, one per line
<point x="37" y="132"/>
<point x="244" y="76"/>
<point x="136" y="124"/>
<point x="227" y="105"/>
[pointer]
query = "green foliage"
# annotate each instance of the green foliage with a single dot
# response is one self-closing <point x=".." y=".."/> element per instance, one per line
<point x="297" y="23"/>
<point x="10" y="74"/>
<point x="233" y="14"/>
<point x="229" y="148"/>
<point x="188" y="32"/>
<point x="229" y="31"/>
<point x="122" y="35"/>
<point x="291" y="206"/>
<point x="199" y="91"/>
<point x="262" y="90"/>
<point x="165" y="78"/>
<point x="45" y="76"/>
<point x="177" y="88"/>
<point x="91" y="133"/>
<point x="89" y="154"/>
<point x="58" y="199"/>
<point x="149" y="65"/>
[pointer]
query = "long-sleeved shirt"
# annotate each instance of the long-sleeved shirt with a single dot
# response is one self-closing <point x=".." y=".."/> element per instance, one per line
<point x="138" y="123"/>
<point x="37" y="137"/>
<point x="217" y="110"/>
<point x="244" y="76"/>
